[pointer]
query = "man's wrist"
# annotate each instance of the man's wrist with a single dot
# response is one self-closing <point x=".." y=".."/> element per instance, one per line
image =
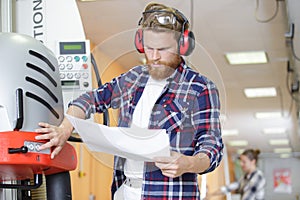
<point x="202" y="162"/>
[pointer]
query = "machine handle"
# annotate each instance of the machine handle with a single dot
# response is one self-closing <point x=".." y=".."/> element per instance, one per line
<point x="38" y="180"/>
<point x="20" y="113"/>
<point x="22" y="149"/>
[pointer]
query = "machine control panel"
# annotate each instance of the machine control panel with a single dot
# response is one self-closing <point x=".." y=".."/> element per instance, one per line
<point x="34" y="147"/>
<point x="75" y="65"/>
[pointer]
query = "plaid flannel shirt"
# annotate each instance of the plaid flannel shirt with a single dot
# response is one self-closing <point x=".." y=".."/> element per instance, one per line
<point x="251" y="186"/>
<point x="188" y="108"/>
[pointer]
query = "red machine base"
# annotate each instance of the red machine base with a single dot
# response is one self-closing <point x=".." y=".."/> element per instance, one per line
<point x="20" y="158"/>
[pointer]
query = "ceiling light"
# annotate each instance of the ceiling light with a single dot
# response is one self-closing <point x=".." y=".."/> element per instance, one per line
<point x="274" y="131"/>
<point x="268" y="115"/>
<point x="251" y="57"/>
<point x="279" y="142"/>
<point x="230" y="132"/>
<point x="240" y="151"/>
<point x="282" y="150"/>
<point x="260" y="92"/>
<point x="285" y="155"/>
<point x="238" y="143"/>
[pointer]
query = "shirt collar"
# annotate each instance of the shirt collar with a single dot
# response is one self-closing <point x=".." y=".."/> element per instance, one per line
<point x="250" y="175"/>
<point x="178" y="74"/>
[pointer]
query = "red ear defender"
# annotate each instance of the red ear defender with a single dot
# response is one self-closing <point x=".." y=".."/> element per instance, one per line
<point x="186" y="43"/>
<point x="138" y="41"/>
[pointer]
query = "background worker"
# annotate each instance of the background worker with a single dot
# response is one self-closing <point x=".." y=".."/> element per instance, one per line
<point x="251" y="184"/>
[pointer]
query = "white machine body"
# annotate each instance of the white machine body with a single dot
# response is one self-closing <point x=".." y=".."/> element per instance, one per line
<point x="29" y="85"/>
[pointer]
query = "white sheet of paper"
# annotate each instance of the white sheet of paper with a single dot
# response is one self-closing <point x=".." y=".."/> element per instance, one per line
<point x="135" y="143"/>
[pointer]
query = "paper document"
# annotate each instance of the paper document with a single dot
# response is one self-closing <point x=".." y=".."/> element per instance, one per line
<point x="135" y="143"/>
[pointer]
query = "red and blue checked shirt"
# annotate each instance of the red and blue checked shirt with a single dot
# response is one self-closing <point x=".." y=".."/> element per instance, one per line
<point x="188" y="108"/>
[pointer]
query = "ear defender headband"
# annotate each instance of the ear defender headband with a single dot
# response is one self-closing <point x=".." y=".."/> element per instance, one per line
<point x="186" y="42"/>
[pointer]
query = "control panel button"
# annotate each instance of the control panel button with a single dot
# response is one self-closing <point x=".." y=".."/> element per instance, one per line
<point x="62" y="76"/>
<point x="85" y="75"/>
<point x="61" y="66"/>
<point x="84" y="58"/>
<point x="85" y="66"/>
<point x="61" y="59"/>
<point x="69" y="75"/>
<point x="69" y="66"/>
<point x="77" y="58"/>
<point x="77" y="75"/>
<point x="69" y="58"/>
<point x="86" y="84"/>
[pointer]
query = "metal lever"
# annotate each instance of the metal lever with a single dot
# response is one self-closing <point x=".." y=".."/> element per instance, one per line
<point x="20" y="113"/>
<point x="22" y="149"/>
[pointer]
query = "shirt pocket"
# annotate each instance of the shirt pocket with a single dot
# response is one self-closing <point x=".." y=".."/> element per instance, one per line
<point x="175" y="114"/>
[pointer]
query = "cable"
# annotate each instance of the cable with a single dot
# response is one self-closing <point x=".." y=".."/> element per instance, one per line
<point x="93" y="61"/>
<point x="192" y="14"/>
<point x="271" y="18"/>
<point x="74" y="139"/>
<point x="289" y="89"/>
<point x="293" y="50"/>
<point x="105" y="113"/>
<point x="282" y="104"/>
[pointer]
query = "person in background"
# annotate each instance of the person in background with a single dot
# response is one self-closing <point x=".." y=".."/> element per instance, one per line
<point x="163" y="94"/>
<point x="251" y="185"/>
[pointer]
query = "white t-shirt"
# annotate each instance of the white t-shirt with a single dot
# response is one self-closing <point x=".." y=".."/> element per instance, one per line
<point x="134" y="169"/>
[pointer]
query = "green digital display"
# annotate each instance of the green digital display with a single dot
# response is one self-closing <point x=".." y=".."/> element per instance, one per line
<point x="72" y="48"/>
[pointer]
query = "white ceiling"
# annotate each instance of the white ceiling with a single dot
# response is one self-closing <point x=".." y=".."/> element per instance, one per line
<point x="219" y="26"/>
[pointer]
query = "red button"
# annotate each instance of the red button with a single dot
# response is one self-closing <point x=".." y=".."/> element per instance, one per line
<point x="85" y="66"/>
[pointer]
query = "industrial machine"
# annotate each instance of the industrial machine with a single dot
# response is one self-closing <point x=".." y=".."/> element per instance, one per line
<point x="31" y="92"/>
<point x="38" y="84"/>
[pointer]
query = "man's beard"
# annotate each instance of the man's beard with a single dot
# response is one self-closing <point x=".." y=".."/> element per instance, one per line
<point x="165" y="70"/>
<point x="161" y="72"/>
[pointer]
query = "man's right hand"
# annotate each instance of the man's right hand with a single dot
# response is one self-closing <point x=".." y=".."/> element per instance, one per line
<point x="57" y="136"/>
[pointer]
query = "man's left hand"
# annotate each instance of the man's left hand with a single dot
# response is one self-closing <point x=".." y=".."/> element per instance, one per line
<point x="173" y="166"/>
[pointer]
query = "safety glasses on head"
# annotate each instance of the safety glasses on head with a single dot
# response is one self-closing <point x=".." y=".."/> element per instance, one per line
<point x="186" y="42"/>
<point x="165" y="20"/>
<point x="163" y="17"/>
